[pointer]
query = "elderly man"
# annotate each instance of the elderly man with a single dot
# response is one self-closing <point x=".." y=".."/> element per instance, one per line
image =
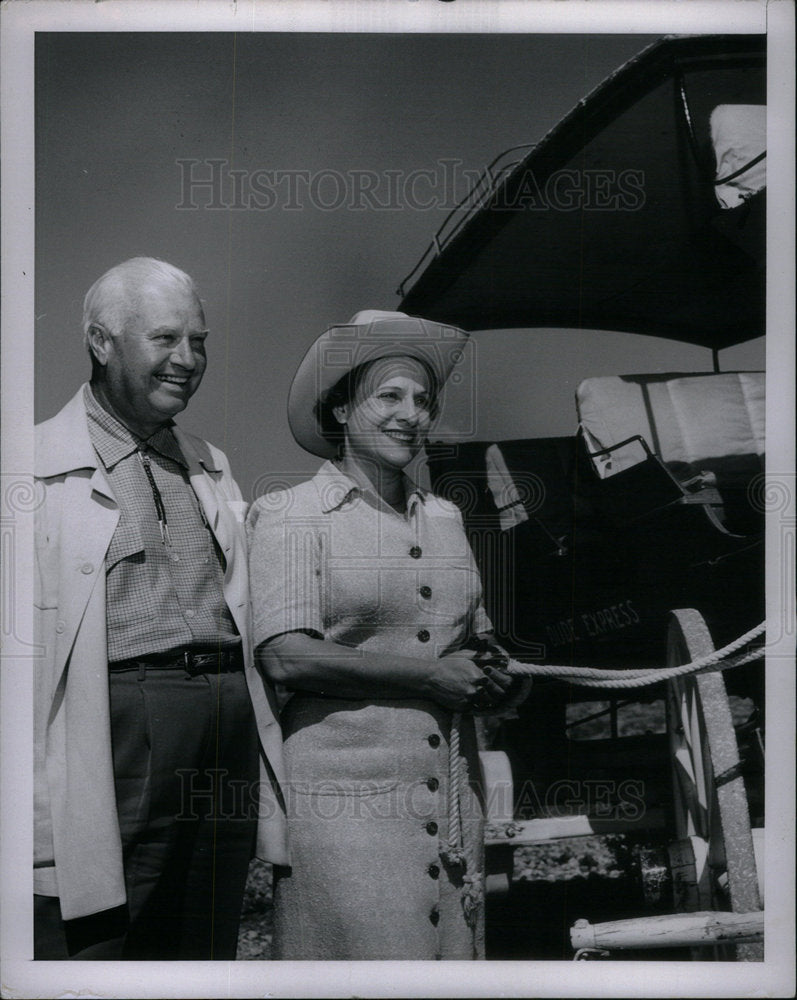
<point x="150" y="715"/>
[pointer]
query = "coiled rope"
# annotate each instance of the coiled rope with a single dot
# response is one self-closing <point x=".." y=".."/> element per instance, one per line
<point x="458" y="850"/>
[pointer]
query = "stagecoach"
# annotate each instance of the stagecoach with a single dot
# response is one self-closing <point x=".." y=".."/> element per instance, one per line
<point x="636" y="543"/>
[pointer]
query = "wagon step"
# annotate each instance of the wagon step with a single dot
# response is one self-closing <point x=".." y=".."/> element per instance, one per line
<point x="503" y="830"/>
<point x="521" y="833"/>
<point x="676" y="930"/>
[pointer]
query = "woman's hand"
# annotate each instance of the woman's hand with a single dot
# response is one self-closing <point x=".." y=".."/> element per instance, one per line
<point x="458" y="683"/>
<point x="490" y="654"/>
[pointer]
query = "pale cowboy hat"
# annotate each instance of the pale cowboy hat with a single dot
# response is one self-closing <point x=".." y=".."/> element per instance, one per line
<point x="370" y="335"/>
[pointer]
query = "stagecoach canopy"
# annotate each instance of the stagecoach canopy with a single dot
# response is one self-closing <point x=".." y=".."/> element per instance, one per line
<point x="641" y="211"/>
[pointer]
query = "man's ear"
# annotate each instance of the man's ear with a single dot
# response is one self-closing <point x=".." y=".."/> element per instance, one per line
<point x="100" y="343"/>
<point x="341" y="413"/>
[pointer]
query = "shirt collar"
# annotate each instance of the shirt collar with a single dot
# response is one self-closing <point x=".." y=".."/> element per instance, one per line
<point x="113" y="441"/>
<point x="335" y="489"/>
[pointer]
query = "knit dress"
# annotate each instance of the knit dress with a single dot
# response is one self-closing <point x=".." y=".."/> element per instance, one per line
<point x="370" y="818"/>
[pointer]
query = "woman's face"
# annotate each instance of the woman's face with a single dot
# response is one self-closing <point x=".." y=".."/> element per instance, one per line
<point x="389" y="417"/>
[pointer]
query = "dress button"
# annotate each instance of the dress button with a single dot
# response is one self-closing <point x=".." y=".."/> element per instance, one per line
<point x="434" y="740"/>
<point x="415" y="552"/>
<point x="426" y="591"/>
<point x="432" y="784"/>
<point x="60" y="626"/>
<point x="423" y="636"/>
<point x="434" y="871"/>
<point x="434" y="916"/>
<point x="431" y="828"/>
<point x="87" y="568"/>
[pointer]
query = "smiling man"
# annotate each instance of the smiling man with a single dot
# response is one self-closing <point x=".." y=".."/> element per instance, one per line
<point x="157" y="752"/>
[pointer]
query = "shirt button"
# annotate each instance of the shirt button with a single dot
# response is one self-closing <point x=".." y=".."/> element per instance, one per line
<point x="432" y="784"/>
<point x="423" y="636"/>
<point x="87" y="568"/>
<point x="415" y="552"/>
<point x="431" y="828"/>
<point x="434" y="740"/>
<point x="175" y="557"/>
<point x="426" y="591"/>
<point x="434" y="871"/>
<point x="60" y="626"/>
<point x="434" y="916"/>
<point x="189" y="612"/>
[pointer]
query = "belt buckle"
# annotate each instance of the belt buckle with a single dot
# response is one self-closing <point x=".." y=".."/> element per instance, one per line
<point x="198" y="663"/>
<point x="188" y="663"/>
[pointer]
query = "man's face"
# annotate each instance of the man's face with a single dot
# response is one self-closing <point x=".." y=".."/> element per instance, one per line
<point x="154" y="367"/>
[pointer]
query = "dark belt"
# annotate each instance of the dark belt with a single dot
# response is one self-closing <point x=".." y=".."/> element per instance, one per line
<point x="193" y="662"/>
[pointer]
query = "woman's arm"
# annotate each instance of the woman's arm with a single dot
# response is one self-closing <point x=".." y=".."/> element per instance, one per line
<point x="301" y="662"/>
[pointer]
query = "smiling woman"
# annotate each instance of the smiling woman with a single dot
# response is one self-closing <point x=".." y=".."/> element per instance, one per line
<point x="367" y="608"/>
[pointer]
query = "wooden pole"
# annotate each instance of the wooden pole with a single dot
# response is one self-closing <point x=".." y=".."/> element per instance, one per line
<point x="669" y="931"/>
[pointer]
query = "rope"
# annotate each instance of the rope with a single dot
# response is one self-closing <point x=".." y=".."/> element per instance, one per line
<point x="592" y="677"/>
<point x="453" y="853"/>
<point x="458" y="850"/>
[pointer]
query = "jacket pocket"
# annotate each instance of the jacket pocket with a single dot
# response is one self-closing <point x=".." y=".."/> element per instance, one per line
<point x="127" y="541"/>
<point x="346" y="787"/>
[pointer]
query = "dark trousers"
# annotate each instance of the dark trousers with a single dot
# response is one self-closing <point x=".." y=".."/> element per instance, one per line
<point x="186" y="769"/>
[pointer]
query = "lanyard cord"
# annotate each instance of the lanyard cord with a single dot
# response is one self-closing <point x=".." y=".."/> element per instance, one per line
<point x="156" y="496"/>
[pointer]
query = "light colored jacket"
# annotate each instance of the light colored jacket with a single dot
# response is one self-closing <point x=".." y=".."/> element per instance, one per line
<point x="78" y="852"/>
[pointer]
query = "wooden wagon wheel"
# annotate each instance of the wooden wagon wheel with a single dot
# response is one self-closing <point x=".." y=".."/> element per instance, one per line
<point x="710" y="802"/>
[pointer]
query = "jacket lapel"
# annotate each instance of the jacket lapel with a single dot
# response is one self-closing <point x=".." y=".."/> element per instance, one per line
<point x="89" y="515"/>
<point x="89" y="521"/>
<point x="63" y="445"/>
<point x="203" y="485"/>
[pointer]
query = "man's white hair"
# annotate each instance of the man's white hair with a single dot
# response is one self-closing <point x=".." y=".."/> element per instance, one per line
<point x="111" y="301"/>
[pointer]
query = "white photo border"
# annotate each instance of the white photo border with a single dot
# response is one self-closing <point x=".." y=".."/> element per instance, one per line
<point x="21" y="977"/>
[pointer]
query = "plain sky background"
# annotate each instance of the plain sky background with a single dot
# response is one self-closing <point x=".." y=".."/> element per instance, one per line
<point x="117" y="111"/>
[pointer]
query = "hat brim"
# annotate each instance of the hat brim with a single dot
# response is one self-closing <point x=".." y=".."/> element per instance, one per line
<point x="342" y="348"/>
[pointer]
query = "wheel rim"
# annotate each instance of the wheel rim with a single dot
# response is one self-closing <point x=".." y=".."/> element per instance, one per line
<point x="709" y="797"/>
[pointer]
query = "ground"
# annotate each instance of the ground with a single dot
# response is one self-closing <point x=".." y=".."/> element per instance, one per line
<point x="254" y="936"/>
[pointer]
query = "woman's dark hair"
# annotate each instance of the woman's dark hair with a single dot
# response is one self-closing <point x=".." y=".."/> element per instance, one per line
<point x="344" y="391"/>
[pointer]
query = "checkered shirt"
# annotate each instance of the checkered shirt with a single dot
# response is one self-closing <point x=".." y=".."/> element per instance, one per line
<point x="160" y="598"/>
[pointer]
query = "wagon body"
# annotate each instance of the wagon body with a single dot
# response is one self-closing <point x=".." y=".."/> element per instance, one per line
<point x="642" y="211"/>
<point x="597" y="565"/>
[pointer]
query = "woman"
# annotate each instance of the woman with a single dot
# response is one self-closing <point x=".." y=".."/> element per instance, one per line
<point x="365" y="599"/>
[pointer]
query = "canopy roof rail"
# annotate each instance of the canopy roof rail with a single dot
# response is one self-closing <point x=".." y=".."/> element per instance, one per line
<point x="482" y="190"/>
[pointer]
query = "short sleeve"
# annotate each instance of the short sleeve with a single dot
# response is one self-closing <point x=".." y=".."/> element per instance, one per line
<point x="481" y="621"/>
<point x="284" y="569"/>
